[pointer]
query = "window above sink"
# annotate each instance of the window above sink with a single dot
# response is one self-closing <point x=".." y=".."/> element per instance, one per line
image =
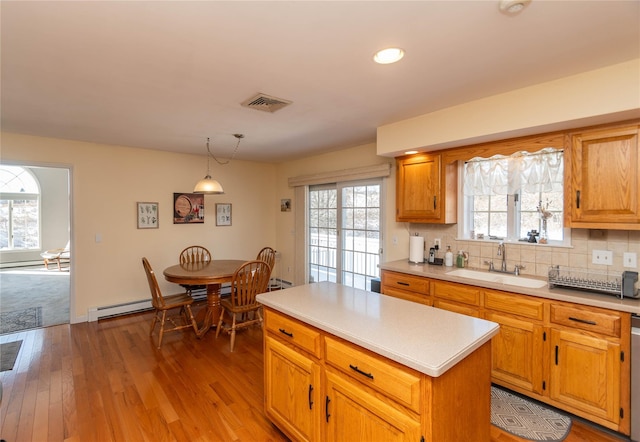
<point x="514" y="198"/>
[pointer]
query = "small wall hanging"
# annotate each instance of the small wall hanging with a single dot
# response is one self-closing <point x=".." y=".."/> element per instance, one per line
<point x="147" y="214"/>
<point x="188" y="208"/>
<point x="285" y="205"/>
<point x="223" y="214"/>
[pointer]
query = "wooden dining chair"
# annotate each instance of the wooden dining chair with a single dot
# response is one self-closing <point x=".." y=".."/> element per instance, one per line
<point x="163" y="304"/>
<point x="194" y="254"/>
<point x="249" y="280"/>
<point x="268" y="255"/>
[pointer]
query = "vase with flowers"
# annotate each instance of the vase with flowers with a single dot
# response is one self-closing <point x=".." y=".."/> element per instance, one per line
<point x="545" y="214"/>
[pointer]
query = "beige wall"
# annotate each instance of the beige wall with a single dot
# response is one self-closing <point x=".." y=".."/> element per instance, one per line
<point x="594" y="97"/>
<point x="107" y="181"/>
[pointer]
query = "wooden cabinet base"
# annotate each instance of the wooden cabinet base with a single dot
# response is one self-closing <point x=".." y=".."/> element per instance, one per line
<point x="317" y="397"/>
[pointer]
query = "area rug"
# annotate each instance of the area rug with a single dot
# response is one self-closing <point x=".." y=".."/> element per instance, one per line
<point x="8" y="354"/>
<point x="527" y="419"/>
<point x="17" y="320"/>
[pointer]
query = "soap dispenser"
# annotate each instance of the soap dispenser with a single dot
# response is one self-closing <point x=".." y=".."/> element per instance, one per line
<point x="448" y="257"/>
<point x="460" y="259"/>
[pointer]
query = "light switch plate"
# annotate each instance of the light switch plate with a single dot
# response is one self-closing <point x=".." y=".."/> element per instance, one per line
<point x="604" y="257"/>
<point x="630" y="260"/>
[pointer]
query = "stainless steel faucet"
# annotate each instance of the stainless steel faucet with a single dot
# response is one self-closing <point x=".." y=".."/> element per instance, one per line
<point x="502" y="251"/>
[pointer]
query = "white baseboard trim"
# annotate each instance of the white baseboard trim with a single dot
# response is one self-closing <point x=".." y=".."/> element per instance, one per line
<point x="96" y="313"/>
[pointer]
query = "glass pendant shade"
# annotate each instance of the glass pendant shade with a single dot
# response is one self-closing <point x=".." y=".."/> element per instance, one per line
<point x="208" y="186"/>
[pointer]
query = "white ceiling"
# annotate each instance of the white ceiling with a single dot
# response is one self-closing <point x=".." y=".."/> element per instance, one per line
<point x="167" y="75"/>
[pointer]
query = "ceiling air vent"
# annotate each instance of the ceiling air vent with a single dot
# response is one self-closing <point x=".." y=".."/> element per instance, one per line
<point x="266" y="103"/>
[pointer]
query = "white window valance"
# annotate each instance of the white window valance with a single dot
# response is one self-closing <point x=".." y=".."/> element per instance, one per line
<point x="359" y="173"/>
<point x="540" y="171"/>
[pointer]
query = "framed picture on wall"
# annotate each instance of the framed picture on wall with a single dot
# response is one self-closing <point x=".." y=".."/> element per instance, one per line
<point x="285" y="205"/>
<point x="147" y="214"/>
<point x="188" y="208"/>
<point x="223" y="214"/>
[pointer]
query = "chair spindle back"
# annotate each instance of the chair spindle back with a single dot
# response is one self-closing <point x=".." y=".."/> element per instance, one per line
<point x="195" y="254"/>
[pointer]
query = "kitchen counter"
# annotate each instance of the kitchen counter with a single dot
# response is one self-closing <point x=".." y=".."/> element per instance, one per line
<point x="426" y="339"/>
<point x="575" y="296"/>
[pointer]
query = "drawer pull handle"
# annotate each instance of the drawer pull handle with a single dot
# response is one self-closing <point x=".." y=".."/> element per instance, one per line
<point x="326" y="409"/>
<point x="583" y="321"/>
<point x="284" y="332"/>
<point x="403" y="283"/>
<point x="364" y="373"/>
<point x="310" y="400"/>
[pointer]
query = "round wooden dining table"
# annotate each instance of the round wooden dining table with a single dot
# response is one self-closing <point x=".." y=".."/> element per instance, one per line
<point x="210" y="273"/>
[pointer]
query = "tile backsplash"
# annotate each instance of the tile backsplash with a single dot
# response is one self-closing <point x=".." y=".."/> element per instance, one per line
<point x="536" y="257"/>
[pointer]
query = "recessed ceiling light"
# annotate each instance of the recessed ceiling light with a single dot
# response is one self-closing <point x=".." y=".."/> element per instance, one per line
<point x="388" y="56"/>
<point x="513" y="6"/>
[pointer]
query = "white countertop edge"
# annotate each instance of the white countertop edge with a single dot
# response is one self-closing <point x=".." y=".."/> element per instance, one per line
<point x="628" y="305"/>
<point x="433" y="370"/>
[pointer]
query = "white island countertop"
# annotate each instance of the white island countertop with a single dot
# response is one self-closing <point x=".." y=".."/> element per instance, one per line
<point x="424" y="338"/>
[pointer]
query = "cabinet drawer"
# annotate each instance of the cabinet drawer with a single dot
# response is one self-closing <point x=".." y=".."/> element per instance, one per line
<point x="457" y="292"/>
<point x="463" y="309"/>
<point x="407" y="295"/>
<point x="514" y="304"/>
<point x="290" y="330"/>
<point x="397" y="383"/>
<point x="402" y="281"/>
<point x="604" y="322"/>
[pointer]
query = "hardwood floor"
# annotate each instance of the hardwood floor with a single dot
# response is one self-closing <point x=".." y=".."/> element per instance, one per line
<point x="105" y="381"/>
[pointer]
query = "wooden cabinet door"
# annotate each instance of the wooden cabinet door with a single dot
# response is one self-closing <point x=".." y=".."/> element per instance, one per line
<point x="418" y="195"/>
<point x="352" y="414"/>
<point x="585" y="374"/>
<point x="517" y="353"/>
<point x="605" y="177"/>
<point x="292" y="390"/>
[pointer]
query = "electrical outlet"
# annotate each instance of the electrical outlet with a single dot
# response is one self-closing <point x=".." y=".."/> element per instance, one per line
<point x="395" y="240"/>
<point x="437" y="242"/>
<point x="604" y="257"/>
<point x="630" y="260"/>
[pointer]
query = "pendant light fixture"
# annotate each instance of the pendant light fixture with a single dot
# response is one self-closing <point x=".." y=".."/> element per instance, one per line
<point x="208" y="185"/>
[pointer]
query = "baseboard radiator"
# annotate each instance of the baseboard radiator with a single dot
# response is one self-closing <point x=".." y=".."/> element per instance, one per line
<point x="200" y="295"/>
<point x="110" y="311"/>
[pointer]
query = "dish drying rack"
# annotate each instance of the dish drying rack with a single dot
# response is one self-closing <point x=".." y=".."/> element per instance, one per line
<point x="591" y="280"/>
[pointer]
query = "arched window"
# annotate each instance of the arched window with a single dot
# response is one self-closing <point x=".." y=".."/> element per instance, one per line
<point x="19" y="209"/>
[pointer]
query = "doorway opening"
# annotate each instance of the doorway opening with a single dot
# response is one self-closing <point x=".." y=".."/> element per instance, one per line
<point x="35" y="216"/>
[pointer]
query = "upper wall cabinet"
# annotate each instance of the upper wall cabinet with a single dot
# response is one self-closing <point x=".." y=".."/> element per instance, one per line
<point x="425" y="189"/>
<point x="602" y="179"/>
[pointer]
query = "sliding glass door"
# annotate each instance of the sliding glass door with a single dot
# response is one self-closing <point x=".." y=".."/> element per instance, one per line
<point x="344" y="231"/>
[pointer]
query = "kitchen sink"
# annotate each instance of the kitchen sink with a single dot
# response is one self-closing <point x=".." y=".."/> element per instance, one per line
<point x="498" y="278"/>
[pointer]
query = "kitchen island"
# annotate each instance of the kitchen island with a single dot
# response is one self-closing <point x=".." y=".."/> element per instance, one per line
<point x="346" y="364"/>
